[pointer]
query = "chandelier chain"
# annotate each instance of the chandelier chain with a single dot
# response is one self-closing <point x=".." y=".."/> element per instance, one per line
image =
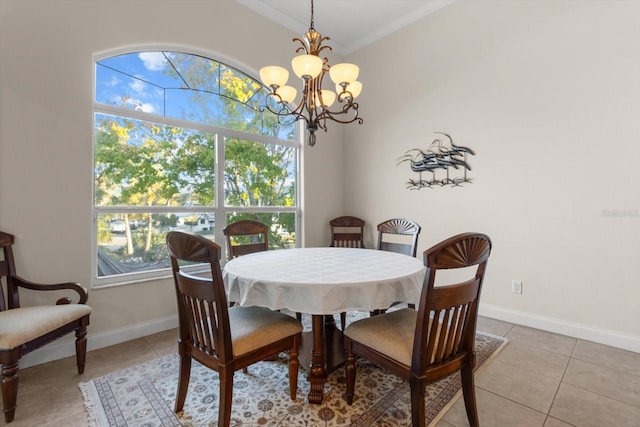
<point x="311" y="24"/>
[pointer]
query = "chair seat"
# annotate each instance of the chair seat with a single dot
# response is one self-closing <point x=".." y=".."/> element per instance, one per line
<point x="391" y="333"/>
<point x="21" y="325"/>
<point x="255" y="327"/>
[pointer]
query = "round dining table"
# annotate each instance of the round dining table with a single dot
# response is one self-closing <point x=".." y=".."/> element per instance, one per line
<point x="323" y="282"/>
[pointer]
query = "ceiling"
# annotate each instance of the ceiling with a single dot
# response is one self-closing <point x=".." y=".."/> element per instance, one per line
<point x="351" y="24"/>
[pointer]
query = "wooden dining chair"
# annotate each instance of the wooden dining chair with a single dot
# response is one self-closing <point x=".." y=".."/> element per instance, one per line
<point x="438" y="339"/>
<point x="245" y="237"/>
<point x="399" y="235"/>
<point x="347" y="232"/>
<point x="24" y="329"/>
<point x="224" y="339"/>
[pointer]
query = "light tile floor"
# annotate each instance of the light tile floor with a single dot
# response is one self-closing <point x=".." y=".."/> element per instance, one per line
<point x="539" y="379"/>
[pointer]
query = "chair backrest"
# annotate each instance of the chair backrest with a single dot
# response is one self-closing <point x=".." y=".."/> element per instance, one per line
<point x="245" y="237"/>
<point x="399" y="235"/>
<point x="447" y="314"/>
<point x="202" y="303"/>
<point x="7" y="271"/>
<point x="347" y="232"/>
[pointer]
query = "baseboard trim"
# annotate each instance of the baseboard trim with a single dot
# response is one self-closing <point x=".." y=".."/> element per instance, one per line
<point x="65" y="348"/>
<point x="575" y="330"/>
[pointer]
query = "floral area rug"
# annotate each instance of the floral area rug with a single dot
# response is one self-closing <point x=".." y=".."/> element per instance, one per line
<point x="144" y="395"/>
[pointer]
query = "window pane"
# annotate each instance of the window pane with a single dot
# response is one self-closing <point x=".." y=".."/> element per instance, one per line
<point x="154" y="172"/>
<point x="259" y="174"/>
<point x="135" y="242"/>
<point x="147" y="164"/>
<point x="188" y="87"/>
<point x="282" y="226"/>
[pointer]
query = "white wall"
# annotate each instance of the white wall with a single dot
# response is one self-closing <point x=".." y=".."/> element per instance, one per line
<point x="46" y="84"/>
<point x="548" y="95"/>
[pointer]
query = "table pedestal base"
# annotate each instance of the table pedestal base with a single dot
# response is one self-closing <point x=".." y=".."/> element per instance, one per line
<point x="322" y="351"/>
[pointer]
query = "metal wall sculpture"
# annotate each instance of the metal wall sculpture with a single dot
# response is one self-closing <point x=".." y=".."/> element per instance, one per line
<point x="443" y="163"/>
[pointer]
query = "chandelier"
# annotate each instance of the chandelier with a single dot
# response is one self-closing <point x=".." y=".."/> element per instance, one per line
<point x="314" y="103"/>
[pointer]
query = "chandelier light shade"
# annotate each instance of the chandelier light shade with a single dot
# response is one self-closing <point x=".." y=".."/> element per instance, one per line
<point x="315" y="101"/>
<point x="274" y="75"/>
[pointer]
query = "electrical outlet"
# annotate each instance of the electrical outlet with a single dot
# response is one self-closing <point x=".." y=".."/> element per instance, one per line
<point x="516" y="287"/>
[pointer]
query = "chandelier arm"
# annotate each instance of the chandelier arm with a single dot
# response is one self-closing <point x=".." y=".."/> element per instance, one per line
<point x="302" y="48"/>
<point x="287" y="112"/>
<point x="335" y="116"/>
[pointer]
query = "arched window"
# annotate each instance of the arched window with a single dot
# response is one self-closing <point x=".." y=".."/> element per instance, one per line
<point x="180" y="143"/>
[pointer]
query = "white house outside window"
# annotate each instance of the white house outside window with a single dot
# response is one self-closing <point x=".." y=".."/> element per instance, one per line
<point x="181" y="144"/>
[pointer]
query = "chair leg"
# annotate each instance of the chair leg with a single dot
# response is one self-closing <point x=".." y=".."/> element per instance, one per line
<point x="81" y="348"/>
<point x="417" y="401"/>
<point x="343" y="320"/>
<point x="9" y="389"/>
<point x="294" y="366"/>
<point x="469" y="394"/>
<point x="350" y="373"/>
<point x="226" y="396"/>
<point x="183" y="382"/>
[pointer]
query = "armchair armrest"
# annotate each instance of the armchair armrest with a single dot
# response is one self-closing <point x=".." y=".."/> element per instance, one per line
<point x="76" y="287"/>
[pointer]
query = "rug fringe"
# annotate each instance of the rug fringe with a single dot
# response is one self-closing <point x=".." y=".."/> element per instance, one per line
<point x="91" y="404"/>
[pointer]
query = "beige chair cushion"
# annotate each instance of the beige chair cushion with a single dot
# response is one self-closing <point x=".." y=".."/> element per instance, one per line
<point x="21" y="325"/>
<point x="254" y="327"/>
<point x="391" y="333"/>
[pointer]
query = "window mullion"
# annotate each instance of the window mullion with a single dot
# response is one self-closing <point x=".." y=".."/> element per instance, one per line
<point x="221" y="213"/>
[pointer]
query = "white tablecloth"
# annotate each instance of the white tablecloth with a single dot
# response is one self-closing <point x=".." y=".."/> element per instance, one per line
<point x="323" y="280"/>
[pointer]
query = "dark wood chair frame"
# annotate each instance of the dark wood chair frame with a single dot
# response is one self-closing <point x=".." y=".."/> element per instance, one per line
<point x="246" y="227"/>
<point x="342" y="238"/>
<point x="347" y="232"/>
<point x="399" y="227"/>
<point x="253" y="229"/>
<point x="10" y="357"/>
<point x="452" y="310"/>
<point x="205" y="330"/>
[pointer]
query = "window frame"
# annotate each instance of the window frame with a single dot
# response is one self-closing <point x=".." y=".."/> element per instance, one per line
<point x="219" y="209"/>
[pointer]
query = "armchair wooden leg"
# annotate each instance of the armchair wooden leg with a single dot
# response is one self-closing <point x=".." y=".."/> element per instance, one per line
<point x="81" y="348"/>
<point x="9" y="389"/>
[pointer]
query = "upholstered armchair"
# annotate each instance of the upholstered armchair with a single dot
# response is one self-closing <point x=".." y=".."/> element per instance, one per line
<point x="24" y="329"/>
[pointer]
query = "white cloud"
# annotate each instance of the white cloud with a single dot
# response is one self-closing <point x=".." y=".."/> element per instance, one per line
<point x="146" y="107"/>
<point x="137" y="86"/>
<point x="136" y="104"/>
<point x="153" y="61"/>
<point x="113" y="82"/>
